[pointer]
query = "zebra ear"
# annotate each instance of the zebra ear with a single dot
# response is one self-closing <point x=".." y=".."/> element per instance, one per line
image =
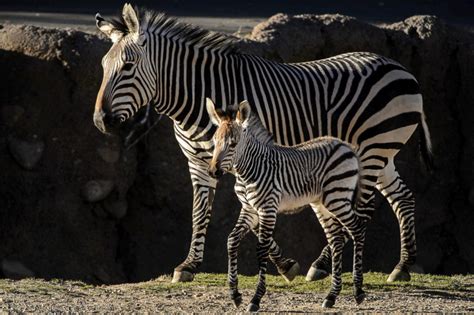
<point x="244" y="111"/>
<point x="108" y="28"/>
<point x="131" y="19"/>
<point x="211" y="110"/>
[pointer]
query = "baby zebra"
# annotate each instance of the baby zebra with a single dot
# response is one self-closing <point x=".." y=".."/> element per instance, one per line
<point x="323" y="173"/>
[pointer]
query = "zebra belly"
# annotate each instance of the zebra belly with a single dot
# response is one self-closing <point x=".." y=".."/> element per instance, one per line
<point x="292" y="204"/>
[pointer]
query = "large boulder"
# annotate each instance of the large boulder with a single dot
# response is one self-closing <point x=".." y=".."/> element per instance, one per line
<point x="84" y="207"/>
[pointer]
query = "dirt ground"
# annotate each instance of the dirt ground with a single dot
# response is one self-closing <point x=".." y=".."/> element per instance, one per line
<point x="159" y="296"/>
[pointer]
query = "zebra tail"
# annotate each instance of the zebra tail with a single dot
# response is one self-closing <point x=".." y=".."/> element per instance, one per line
<point x="425" y="145"/>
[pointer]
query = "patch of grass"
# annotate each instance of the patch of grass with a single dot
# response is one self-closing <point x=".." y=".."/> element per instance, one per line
<point x="40" y="286"/>
<point x="373" y="281"/>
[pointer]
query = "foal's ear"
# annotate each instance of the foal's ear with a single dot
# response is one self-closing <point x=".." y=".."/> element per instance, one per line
<point x="211" y="110"/>
<point x="244" y="112"/>
<point x="108" y="28"/>
<point x="131" y="19"/>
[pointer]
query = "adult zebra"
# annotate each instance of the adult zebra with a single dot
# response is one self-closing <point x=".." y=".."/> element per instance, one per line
<point x="362" y="98"/>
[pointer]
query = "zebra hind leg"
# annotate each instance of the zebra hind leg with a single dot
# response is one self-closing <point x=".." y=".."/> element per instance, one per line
<point x="402" y="202"/>
<point x="357" y="232"/>
<point x="321" y="267"/>
<point x="336" y="240"/>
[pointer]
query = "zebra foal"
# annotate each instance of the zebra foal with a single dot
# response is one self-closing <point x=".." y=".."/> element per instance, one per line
<point x="324" y="173"/>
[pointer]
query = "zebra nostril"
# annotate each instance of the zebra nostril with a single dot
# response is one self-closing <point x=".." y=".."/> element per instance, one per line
<point x="218" y="173"/>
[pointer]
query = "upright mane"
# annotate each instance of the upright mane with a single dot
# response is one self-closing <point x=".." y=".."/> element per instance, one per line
<point x="168" y="27"/>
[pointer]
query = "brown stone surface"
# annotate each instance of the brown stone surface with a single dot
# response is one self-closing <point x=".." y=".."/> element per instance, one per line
<point x="49" y="80"/>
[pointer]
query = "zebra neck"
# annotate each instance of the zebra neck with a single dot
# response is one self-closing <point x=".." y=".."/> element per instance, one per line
<point x="186" y="76"/>
<point x="255" y="150"/>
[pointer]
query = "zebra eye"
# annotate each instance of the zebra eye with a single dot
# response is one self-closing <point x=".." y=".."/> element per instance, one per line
<point x="127" y="66"/>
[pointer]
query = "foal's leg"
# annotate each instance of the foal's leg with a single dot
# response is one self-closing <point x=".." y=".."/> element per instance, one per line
<point x="357" y="227"/>
<point x="336" y="237"/>
<point x="321" y="267"/>
<point x="288" y="268"/>
<point x="267" y="219"/>
<point x="248" y="218"/>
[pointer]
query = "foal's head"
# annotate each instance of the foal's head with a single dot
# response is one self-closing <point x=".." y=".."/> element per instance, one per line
<point x="229" y="129"/>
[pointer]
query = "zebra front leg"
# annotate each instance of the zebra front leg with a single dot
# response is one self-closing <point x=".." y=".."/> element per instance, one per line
<point x="203" y="193"/>
<point x="288" y="268"/>
<point x="403" y="205"/>
<point x="248" y="218"/>
<point x="267" y="219"/>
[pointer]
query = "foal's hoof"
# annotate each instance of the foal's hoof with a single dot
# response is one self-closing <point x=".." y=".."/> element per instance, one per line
<point x="328" y="303"/>
<point x="182" y="276"/>
<point x="399" y="275"/>
<point x="253" y="307"/>
<point x="316" y="274"/>
<point x="360" y="297"/>
<point x="292" y="272"/>
<point x="237" y="299"/>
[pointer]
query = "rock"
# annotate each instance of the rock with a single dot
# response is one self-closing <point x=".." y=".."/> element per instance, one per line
<point x="14" y="269"/>
<point x="26" y="153"/>
<point x="10" y="114"/>
<point x="97" y="190"/>
<point x="109" y="155"/>
<point x="117" y="208"/>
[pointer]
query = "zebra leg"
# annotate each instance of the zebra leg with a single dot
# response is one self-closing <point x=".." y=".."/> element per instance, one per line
<point x="357" y="230"/>
<point x="247" y="219"/>
<point x="267" y="221"/>
<point x="203" y="194"/>
<point x="403" y="204"/>
<point x="337" y="239"/>
<point x="321" y="267"/>
<point x="288" y="268"/>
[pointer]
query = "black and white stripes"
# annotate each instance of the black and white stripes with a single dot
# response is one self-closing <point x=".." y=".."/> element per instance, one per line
<point x="367" y="100"/>
<point x="323" y="173"/>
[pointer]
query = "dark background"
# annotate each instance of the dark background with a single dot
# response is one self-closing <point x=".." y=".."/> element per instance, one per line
<point x="454" y="11"/>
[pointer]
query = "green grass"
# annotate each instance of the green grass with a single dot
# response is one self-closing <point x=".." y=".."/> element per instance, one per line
<point x="373" y="281"/>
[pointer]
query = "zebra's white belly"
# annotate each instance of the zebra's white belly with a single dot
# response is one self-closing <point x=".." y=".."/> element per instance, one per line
<point x="291" y="204"/>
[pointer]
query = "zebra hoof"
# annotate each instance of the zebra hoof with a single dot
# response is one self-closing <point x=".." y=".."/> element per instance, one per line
<point x="237" y="299"/>
<point x="253" y="307"/>
<point x="315" y="274"/>
<point x="328" y="303"/>
<point x="291" y="273"/>
<point x="360" y="298"/>
<point x="399" y="275"/>
<point x="182" y="276"/>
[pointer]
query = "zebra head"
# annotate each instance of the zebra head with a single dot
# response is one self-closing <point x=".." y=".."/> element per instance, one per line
<point x="127" y="84"/>
<point x="227" y="136"/>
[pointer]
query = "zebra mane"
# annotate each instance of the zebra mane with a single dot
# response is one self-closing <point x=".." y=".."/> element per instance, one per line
<point x="258" y="130"/>
<point x="169" y="27"/>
